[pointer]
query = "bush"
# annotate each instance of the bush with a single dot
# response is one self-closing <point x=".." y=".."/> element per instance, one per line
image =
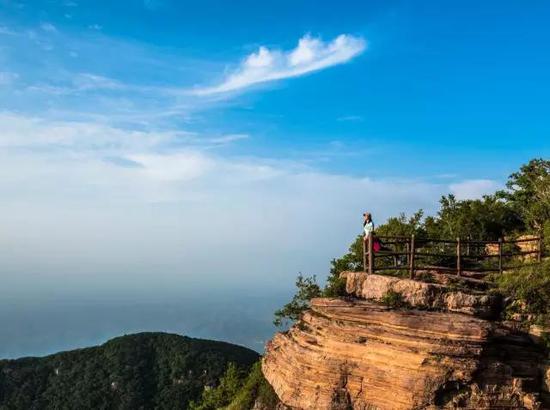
<point x="255" y="389"/>
<point x="307" y="290"/>
<point x="394" y="299"/>
<point x="220" y="396"/>
<point x="238" y="391"/>
<point x="351" y="261"/>
<point x="530" y="286"/>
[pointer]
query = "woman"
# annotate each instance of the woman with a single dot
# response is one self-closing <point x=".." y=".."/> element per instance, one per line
<point x="368" y="228"/>
<point x="368" y="225"/>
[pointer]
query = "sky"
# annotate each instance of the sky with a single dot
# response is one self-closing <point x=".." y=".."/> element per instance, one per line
<point x="162" y="150"/>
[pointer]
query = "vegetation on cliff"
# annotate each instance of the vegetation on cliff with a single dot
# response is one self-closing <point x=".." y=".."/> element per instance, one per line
<point x="141" y="371"/>
<point x="239" y="390"/>
<point x="522" y="208"/>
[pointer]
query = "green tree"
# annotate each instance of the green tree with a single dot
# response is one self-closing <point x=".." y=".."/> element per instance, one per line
<point x="141" y="371"/>
<point x="351" y="261"/>
<point x="256" y="391"/>
<point x="307" y="290"/>
<point x="220" y="396"/>
<point x="528" y="193"/>
<point x="482" y="219"/>
<point x="530" y="286"/>
<point x="403" y="225"/>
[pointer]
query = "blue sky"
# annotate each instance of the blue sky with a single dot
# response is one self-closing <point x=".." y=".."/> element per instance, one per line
<point x="157" y="145"/>
<point x="439" y="85"/>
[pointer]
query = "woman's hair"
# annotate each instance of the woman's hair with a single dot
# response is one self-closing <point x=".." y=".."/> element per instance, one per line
<point x="368" y="218"/>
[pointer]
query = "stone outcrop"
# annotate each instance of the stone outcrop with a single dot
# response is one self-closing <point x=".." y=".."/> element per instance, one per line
<point x="423" y="295"/>
<point x="360" y="354"/>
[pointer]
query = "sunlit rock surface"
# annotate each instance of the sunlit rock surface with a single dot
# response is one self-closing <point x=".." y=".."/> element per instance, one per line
<point x="422" y="294"/>
<point x="359" y="354"/>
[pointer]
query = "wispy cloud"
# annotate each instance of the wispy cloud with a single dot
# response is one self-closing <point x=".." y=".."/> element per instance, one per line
<point x="6" y="31"/>
<point x="8" y="78"/>
<point x="226" y="139"/>
<point x="474" y="188"/>
<point x="78" y="83"/>
<point x="49" y="27"/>
<point x="311" y="54"/>
<point x="122" y="193"/>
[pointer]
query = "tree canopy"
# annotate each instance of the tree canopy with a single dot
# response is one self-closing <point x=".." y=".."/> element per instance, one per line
<point x="141" y="371"/>
<point x="523" y="207"/>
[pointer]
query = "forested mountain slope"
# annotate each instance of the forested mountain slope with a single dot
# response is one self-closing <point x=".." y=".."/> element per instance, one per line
<point x="140" y="371"/>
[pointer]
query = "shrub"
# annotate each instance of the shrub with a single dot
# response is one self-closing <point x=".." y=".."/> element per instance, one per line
<point x="394" y="299"/>
<point x="220" y="396"/>
<point x="257" y="390"/>
<point x="307" y="290"/>
<point x="238" y="391"/>
<point x="530" y="286"/>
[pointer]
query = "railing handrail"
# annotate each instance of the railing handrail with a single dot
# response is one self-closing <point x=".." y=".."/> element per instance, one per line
<point x="462" y="252"/>
<point x="463" y="241"/>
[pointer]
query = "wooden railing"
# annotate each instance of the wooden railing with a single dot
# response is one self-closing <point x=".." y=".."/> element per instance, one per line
<point x="457" y="256"/>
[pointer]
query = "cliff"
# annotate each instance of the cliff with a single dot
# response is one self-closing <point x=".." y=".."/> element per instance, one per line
<point x="441" y="349"/>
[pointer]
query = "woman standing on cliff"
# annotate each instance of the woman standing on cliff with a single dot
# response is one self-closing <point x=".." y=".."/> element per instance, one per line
<point x="368" y="228"/>
<point x="368" y="225"/>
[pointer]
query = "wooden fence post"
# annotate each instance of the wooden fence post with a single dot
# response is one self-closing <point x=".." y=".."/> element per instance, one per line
<point x="371" y="253"/>
<point x="365" y="266"/>
<point x="500" y="256"/>
<point x="539" y="253"/>
<point x="411" y="257"/>
<point x="458" y="257"/>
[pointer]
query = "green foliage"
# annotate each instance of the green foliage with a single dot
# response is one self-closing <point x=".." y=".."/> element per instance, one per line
<point x="403" y="226"/>
<point x="481" y="219"/>
<point x="426" y="277"/>
<point x="528" y="193"/>
<point x="307" y="290"/>
<point x="529" y="287"/>
<point x="523" y="207"/>
<point x="141" y="371"/>
<point x="238" y="390"/>
<point x="351" y="261"/>
<point x="221" y="396"/>
<point x="546" y="236"/>
<point x="255" y="389"/>
<point x="393" y="299"/>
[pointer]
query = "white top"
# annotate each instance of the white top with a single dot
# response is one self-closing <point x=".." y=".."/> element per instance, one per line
<point x="368" y="228"/>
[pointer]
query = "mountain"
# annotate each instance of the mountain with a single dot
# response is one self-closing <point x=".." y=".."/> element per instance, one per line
<point x="139" y="371"/>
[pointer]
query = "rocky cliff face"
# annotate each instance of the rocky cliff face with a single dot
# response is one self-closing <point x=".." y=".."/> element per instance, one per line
<point x="441" y="351"/>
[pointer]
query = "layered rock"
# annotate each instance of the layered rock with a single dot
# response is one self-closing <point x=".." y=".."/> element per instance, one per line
<point x="424" y="295"/>
<point x="360" y="354"/>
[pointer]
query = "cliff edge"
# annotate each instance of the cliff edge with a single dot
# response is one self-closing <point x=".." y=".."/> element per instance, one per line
<point x="440" y="349"/>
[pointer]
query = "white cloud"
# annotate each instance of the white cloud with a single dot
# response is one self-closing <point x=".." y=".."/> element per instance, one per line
<point x="473" y="189"/>
<point x="7" y="78"/>
<point x="88" y="198"/>
<point x="49" y="27"/>
<point x="78" y="83"/>
<point x="87" y="81"/>
<point x="96" y="27"/>
<point x="311" y="54"/>
<point x="226" y="139"/>
<point x="6" y="31"/>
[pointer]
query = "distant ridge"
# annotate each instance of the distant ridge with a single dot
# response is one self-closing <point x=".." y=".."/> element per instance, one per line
<point x="138" y="371"/>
